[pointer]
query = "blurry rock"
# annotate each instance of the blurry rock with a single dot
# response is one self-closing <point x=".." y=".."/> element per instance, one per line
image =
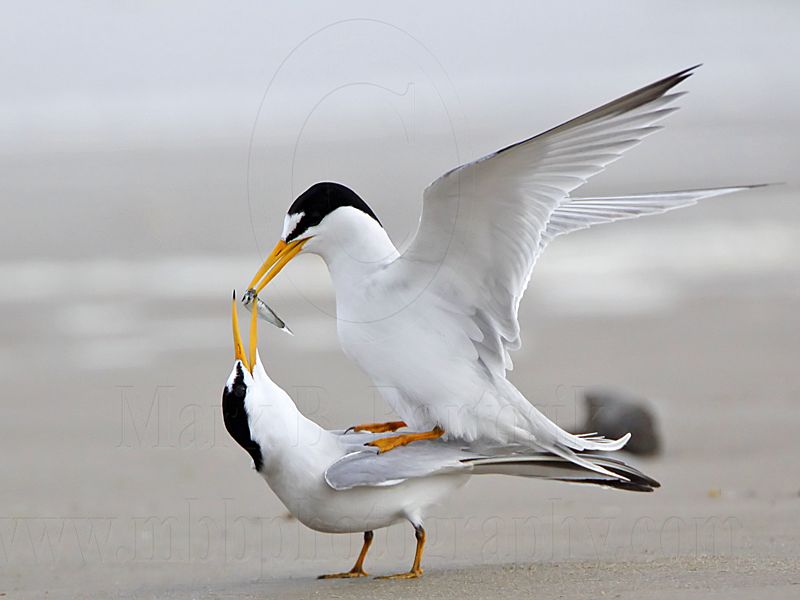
<point x="613" y="413"/>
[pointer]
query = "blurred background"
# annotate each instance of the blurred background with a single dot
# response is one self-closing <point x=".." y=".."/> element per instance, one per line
<point x="148" y="153"/>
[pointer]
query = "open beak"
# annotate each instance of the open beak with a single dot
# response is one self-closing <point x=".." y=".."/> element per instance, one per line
<point x="238" y="345"/>
<point x="281" y="254"/>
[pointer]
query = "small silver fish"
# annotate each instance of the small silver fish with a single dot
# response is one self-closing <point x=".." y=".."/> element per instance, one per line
<point x="264" y="311"/>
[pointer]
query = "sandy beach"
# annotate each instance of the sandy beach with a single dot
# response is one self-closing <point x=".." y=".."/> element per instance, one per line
<point x="135" y="204"/>
<point x="123" y="483"/>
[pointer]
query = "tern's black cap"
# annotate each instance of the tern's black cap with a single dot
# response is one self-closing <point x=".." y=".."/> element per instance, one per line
<point x="319" y="201"/>
<point x="234" y="414"/>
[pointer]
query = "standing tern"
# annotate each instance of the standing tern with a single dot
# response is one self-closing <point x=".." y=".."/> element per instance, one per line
<point x="334" y="484"/>
<point x="433" y="325"/>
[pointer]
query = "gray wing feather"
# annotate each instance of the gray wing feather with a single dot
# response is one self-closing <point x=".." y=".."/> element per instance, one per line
<point x="363" y="466"/>
<point x="547" y="466"/>
<point x="582" y="213"/>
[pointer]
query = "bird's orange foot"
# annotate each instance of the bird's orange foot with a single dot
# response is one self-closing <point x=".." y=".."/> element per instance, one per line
<point x="395" y="441"/>
<point x="412" y="574"/>
<point x="378" y="427"/>
<point x="346" y="575"/>
<point x="358" y="568"/>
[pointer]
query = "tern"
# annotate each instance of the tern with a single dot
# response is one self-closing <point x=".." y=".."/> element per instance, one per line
<point x="433" y="324"/>
<point x="332" y="483"/>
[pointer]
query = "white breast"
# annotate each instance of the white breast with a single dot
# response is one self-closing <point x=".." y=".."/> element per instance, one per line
<point x="297" y="478"/>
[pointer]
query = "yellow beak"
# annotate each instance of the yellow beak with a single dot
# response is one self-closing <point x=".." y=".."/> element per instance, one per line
<point x="281" y="254"/>
<point x="238" y="345"/>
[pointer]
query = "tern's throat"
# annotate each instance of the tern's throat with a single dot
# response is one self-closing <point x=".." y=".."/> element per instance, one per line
<point x="265" y="422"/>
<point x="354" y="246"/>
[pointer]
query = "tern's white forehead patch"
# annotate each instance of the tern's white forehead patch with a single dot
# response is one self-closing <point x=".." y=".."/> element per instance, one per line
<point x="289" y="224"/>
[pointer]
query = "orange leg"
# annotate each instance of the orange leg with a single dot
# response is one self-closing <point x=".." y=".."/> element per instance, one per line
<point x="378" y="427"/>
<point x="358" y="568"/>
<point x="416" y="570"/>
<point x="395" y="441"/>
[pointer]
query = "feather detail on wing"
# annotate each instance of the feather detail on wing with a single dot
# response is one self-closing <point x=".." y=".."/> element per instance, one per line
<point x="483" y="223"/>
<point x="542" y="466"/>
<point x="582" y="213"/>
<point x="364" y="467"/>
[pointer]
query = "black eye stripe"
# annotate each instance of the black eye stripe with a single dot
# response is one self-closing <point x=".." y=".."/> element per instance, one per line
<point x="319" y="201"/>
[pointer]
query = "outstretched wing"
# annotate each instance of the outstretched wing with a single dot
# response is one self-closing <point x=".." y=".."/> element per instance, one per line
<point x="484" y="224"/>
<point x="582" y="213"/>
